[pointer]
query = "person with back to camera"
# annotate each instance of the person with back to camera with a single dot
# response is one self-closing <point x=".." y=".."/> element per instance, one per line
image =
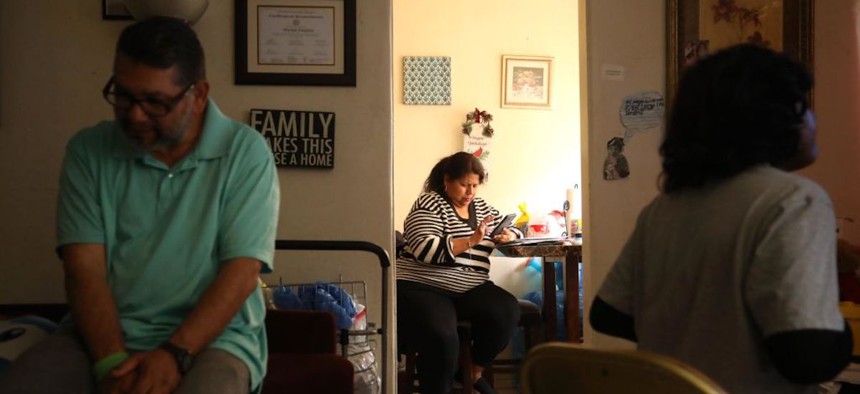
<point x="732" y="268"/>
<point x="166" y="217"/>
<point x="443" y="276"/>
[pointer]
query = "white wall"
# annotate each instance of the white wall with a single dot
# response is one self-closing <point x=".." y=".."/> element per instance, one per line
<point x="536" y="153"/>
<point x="56" y="56"/>
<point x="628" y="34"/>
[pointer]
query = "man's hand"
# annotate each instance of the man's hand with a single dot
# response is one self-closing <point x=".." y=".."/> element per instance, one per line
<point x="156" y="372"/>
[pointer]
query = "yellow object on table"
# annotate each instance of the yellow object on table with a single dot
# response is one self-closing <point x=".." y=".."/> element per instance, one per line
<point x="851" y="312"/>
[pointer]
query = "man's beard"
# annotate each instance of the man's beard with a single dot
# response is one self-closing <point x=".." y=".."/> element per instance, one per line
<point x="165" y="137"/>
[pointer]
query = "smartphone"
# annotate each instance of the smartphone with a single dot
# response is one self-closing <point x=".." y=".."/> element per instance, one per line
<point x="505" y="223"/>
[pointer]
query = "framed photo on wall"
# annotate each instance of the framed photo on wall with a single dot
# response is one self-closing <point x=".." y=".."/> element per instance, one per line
<point x="295" y="42"/>
<point x="114" y="9"/>
<point x="699" y="27"/>
<point x="526" y="82"/>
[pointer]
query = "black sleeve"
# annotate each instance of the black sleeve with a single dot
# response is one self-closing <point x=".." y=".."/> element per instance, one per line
<point x="611" y="321"/>
<point x="810" y="356"/>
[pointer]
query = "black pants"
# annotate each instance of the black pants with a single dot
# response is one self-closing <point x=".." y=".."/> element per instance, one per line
<point x="427" y="323"/>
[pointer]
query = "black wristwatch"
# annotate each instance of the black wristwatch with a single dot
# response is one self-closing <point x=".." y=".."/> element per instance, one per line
<point x="184" y="358"/>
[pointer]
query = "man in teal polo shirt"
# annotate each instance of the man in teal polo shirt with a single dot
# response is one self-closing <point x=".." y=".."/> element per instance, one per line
<point x="166" y="218"/>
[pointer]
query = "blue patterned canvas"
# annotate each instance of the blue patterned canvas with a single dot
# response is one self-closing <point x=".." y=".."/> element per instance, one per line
<point x="427" y="80"/>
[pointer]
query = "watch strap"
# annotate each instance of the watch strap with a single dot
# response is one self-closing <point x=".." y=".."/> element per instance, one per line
<point x="182" y="356"/>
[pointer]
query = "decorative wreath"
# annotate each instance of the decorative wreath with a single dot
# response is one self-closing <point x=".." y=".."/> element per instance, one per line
<point x="481" y="117"/>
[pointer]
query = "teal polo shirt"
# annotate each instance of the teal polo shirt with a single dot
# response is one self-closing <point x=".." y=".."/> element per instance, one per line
<point x="167" y="230"/>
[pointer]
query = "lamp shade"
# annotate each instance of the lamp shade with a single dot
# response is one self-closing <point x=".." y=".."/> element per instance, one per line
<point x="187" y="10"/>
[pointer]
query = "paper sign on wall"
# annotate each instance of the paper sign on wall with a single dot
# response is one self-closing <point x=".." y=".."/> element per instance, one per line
<point x="478" y="145"/>
<point x="642" y="111"/>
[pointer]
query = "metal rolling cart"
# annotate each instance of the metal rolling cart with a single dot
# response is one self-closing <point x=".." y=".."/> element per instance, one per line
<point x="357" y="289"/>
<point x="344" y="299"/>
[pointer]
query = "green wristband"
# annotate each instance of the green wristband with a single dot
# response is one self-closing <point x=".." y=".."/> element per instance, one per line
<point x="107" y="364"/>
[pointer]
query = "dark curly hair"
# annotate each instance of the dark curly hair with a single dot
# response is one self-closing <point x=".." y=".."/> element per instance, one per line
<point x="162" y="42"/>
<point x="454" y="167"/>
<point x="740" y="107"/>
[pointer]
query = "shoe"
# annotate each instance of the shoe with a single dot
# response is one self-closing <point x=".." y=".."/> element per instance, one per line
<point x="483" y="386"/>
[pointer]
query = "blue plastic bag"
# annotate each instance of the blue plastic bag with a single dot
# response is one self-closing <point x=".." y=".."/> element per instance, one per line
<point x="320" y="296"/>
<point x="285" y="299"/>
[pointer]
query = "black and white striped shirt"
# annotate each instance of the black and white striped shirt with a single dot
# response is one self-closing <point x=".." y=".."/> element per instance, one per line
<point x="427" y="258"/>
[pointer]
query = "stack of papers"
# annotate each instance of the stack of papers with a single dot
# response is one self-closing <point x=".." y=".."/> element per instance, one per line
<point x="536" y="241"/>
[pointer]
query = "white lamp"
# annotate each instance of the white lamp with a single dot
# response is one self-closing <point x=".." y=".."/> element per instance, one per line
<point x="187" y="10"/>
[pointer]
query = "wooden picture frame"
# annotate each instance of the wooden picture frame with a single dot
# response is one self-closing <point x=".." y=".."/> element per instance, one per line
<point x="698" y="27"/>
<point x="526" y="82"/>
<point x="295" y="42"/>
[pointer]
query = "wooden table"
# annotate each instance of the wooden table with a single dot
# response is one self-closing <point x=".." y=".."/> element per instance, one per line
<point x="571" y="255"/>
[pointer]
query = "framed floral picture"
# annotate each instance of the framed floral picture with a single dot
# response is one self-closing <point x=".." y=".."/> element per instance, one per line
<point x="526" y="82"/>
<point x="699" y="27"/>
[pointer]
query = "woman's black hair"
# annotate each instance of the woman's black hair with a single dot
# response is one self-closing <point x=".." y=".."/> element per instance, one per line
<point x="738" y="108"/>
<point x="453" y="167"/>
<point x="162" y="42"/>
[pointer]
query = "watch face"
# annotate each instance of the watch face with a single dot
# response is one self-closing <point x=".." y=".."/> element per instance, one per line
<point x="185" y="362"/>
<point x="183" y="357"/>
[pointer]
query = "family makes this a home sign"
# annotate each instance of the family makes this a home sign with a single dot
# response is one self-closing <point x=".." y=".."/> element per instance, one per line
<point x="297" y="138"/>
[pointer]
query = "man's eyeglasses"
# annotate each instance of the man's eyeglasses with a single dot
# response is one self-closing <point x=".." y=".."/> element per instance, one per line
<point x="149" y="105"/>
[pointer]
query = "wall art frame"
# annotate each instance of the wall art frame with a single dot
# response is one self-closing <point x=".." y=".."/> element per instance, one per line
<point x="115" y="10"/>
<point x="526" y="81"/>
<point x="698" y="27"/>
<point x="295" y="42"/>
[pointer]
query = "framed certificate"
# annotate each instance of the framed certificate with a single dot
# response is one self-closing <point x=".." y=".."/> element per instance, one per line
<point x="295" y="42"/>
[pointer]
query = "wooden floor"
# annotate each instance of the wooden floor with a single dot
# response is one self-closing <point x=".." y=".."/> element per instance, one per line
<point x="505" y="384"/>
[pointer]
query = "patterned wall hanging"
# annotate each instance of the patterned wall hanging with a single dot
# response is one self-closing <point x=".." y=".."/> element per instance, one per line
<point x="426" y="80"/>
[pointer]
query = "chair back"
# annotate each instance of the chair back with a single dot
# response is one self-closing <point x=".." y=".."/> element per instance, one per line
<point x="568" y="368"/>
<point x="300" y="331"/>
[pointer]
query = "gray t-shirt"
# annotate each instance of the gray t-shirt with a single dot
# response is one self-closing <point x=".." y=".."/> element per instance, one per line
<point x="707" y="274"/>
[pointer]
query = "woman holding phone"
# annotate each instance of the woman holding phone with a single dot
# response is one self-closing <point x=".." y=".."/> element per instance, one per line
<point x="443" y="276"/>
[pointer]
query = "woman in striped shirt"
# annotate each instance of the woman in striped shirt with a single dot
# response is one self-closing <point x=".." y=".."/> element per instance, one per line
<point x="443" y="276"/>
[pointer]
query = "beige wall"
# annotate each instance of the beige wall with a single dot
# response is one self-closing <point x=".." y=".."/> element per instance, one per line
<point x="535" y="155"/>
<point x="56" y="55"/>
